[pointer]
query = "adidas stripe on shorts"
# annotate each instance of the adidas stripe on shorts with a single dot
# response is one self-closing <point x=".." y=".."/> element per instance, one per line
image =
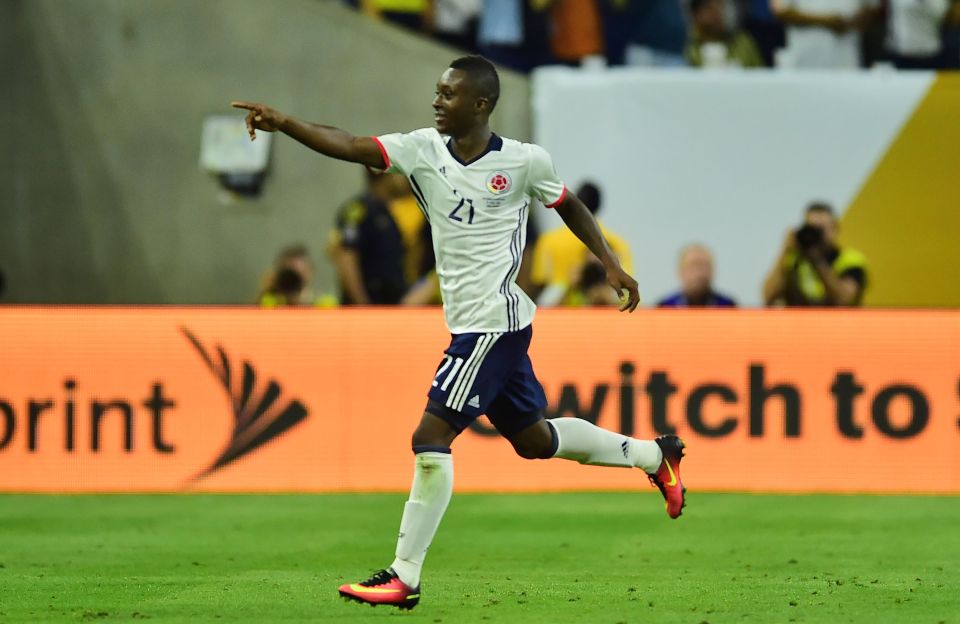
<point x="490" y="374"/>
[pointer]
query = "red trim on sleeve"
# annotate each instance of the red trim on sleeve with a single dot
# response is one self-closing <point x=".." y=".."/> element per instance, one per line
<point x="383" y="152"/>
<point x="563" y="196"/>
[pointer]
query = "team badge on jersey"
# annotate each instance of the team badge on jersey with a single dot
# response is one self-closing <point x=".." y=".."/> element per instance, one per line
<point x="499" y="182"/>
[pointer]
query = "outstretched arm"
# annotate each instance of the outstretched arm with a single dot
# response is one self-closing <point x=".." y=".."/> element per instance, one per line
<point x="581" y="222"/>
<point x="329" y="141"/>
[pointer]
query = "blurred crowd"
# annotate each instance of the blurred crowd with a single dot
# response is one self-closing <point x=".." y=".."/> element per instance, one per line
<point x="825" y="34"/>
<point x="382" y="253"/>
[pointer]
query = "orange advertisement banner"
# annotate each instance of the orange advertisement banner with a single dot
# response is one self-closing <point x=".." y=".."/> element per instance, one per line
<point x="242" y="399"/>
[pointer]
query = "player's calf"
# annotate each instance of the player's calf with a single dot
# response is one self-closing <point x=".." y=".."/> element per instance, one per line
<point x="538" y="441"/>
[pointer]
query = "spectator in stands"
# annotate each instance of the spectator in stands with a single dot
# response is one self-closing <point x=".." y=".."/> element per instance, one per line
<point x="590" y="287"/>
<point x="712" y="42"/>
<point x="500" y="34"/>
<point x="289" y="282"/>
<point x="695" y="269"/>
<point x="454" y="22"/>
<point x="559" y="256"/>
<point x="645" y="33"/>
<point x="409" y="13"/>
<point x="951" y="37"/>
<point x="424" y="292"/>
<point x="575" y="28"/>
<point x="824" y="34"/>
<point x="367" y="246"/>
<point x="914" y="38"/>
<point x="758" y="20"/>
<point x="812" y="269"/>
<point x="524" y="279"/>
<point x="418" y="257"/>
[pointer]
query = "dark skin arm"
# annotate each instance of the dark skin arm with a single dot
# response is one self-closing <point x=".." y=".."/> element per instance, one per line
<point x="326" y="140"/>
<point x="582" y="223"/>
<point x="347" y="263"/>
<point x="841" y="291"/>
<point x="794" y="17"/>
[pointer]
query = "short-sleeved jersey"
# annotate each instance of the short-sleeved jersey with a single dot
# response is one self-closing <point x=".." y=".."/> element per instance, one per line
<point x="478" y="213"/>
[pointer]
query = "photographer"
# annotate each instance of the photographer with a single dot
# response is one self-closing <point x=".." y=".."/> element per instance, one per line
<point x="812" y="270"/>
<point x="288" y="282"/>
<point x="590" y="288"/>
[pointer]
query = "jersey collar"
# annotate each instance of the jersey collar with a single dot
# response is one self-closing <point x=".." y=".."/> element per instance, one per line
<point x="494" y="145"/>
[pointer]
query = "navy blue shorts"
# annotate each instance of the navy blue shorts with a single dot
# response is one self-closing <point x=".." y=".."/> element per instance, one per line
<point x="488" y="374"/>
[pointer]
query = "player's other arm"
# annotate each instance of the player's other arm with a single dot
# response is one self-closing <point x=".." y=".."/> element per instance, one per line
<point x="327" y="140"/>
<point x="583" y="224"/>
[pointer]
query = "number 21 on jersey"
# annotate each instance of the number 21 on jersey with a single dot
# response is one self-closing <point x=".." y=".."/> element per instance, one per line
<point x="453" y="215"/>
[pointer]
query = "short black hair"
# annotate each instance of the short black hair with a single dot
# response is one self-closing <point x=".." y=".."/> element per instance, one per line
<point x="296" y="250"/>
<point x="482" y="74"/>
<point x="589" y="193"/>
<point x="821" y="206"/>
<point x="695" y="5"/>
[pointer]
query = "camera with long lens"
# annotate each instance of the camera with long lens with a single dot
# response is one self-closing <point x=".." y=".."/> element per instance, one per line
<point x="287" y="282"/>
<point x="809" y="236"/>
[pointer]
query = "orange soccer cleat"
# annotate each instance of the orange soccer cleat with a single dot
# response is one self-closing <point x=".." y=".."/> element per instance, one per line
<point x="383" y="588"/>
<point x="667" y="476"/>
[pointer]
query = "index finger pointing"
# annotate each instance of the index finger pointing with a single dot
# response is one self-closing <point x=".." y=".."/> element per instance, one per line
<point x="246" y="105"/>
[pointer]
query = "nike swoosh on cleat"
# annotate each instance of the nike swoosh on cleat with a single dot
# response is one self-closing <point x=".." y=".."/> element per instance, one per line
<point x="673" y="477"/>
<point x="360" y="589"/>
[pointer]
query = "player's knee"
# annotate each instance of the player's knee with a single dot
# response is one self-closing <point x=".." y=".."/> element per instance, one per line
<point x="533" y="449"/>
<point x="433" y="431"/>
<point x="423" y="436"/>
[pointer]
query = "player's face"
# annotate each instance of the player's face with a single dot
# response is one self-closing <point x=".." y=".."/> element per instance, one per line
<point x="455" y="104"/>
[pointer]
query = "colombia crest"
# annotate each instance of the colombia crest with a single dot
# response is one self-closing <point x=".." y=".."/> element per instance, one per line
<point x="499" y="182"/>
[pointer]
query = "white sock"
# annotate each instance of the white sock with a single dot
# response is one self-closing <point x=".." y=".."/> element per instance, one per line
<point x="587" y="443"/>
<point x="429" y="495"/>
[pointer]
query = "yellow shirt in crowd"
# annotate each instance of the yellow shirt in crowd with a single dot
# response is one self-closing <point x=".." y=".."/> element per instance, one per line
<point x="559" y="254"/>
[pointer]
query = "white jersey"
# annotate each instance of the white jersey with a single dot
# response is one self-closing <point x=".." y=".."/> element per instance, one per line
<point x="913" y="26"/>
<point x="821" y="48"/>
<point x="478" y="215"/>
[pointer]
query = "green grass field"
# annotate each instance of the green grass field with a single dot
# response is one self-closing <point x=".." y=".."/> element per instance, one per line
<point x="595" y="558"/>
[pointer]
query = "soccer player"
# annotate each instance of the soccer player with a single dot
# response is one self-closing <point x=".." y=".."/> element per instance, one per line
<point x="476" y="188"/>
